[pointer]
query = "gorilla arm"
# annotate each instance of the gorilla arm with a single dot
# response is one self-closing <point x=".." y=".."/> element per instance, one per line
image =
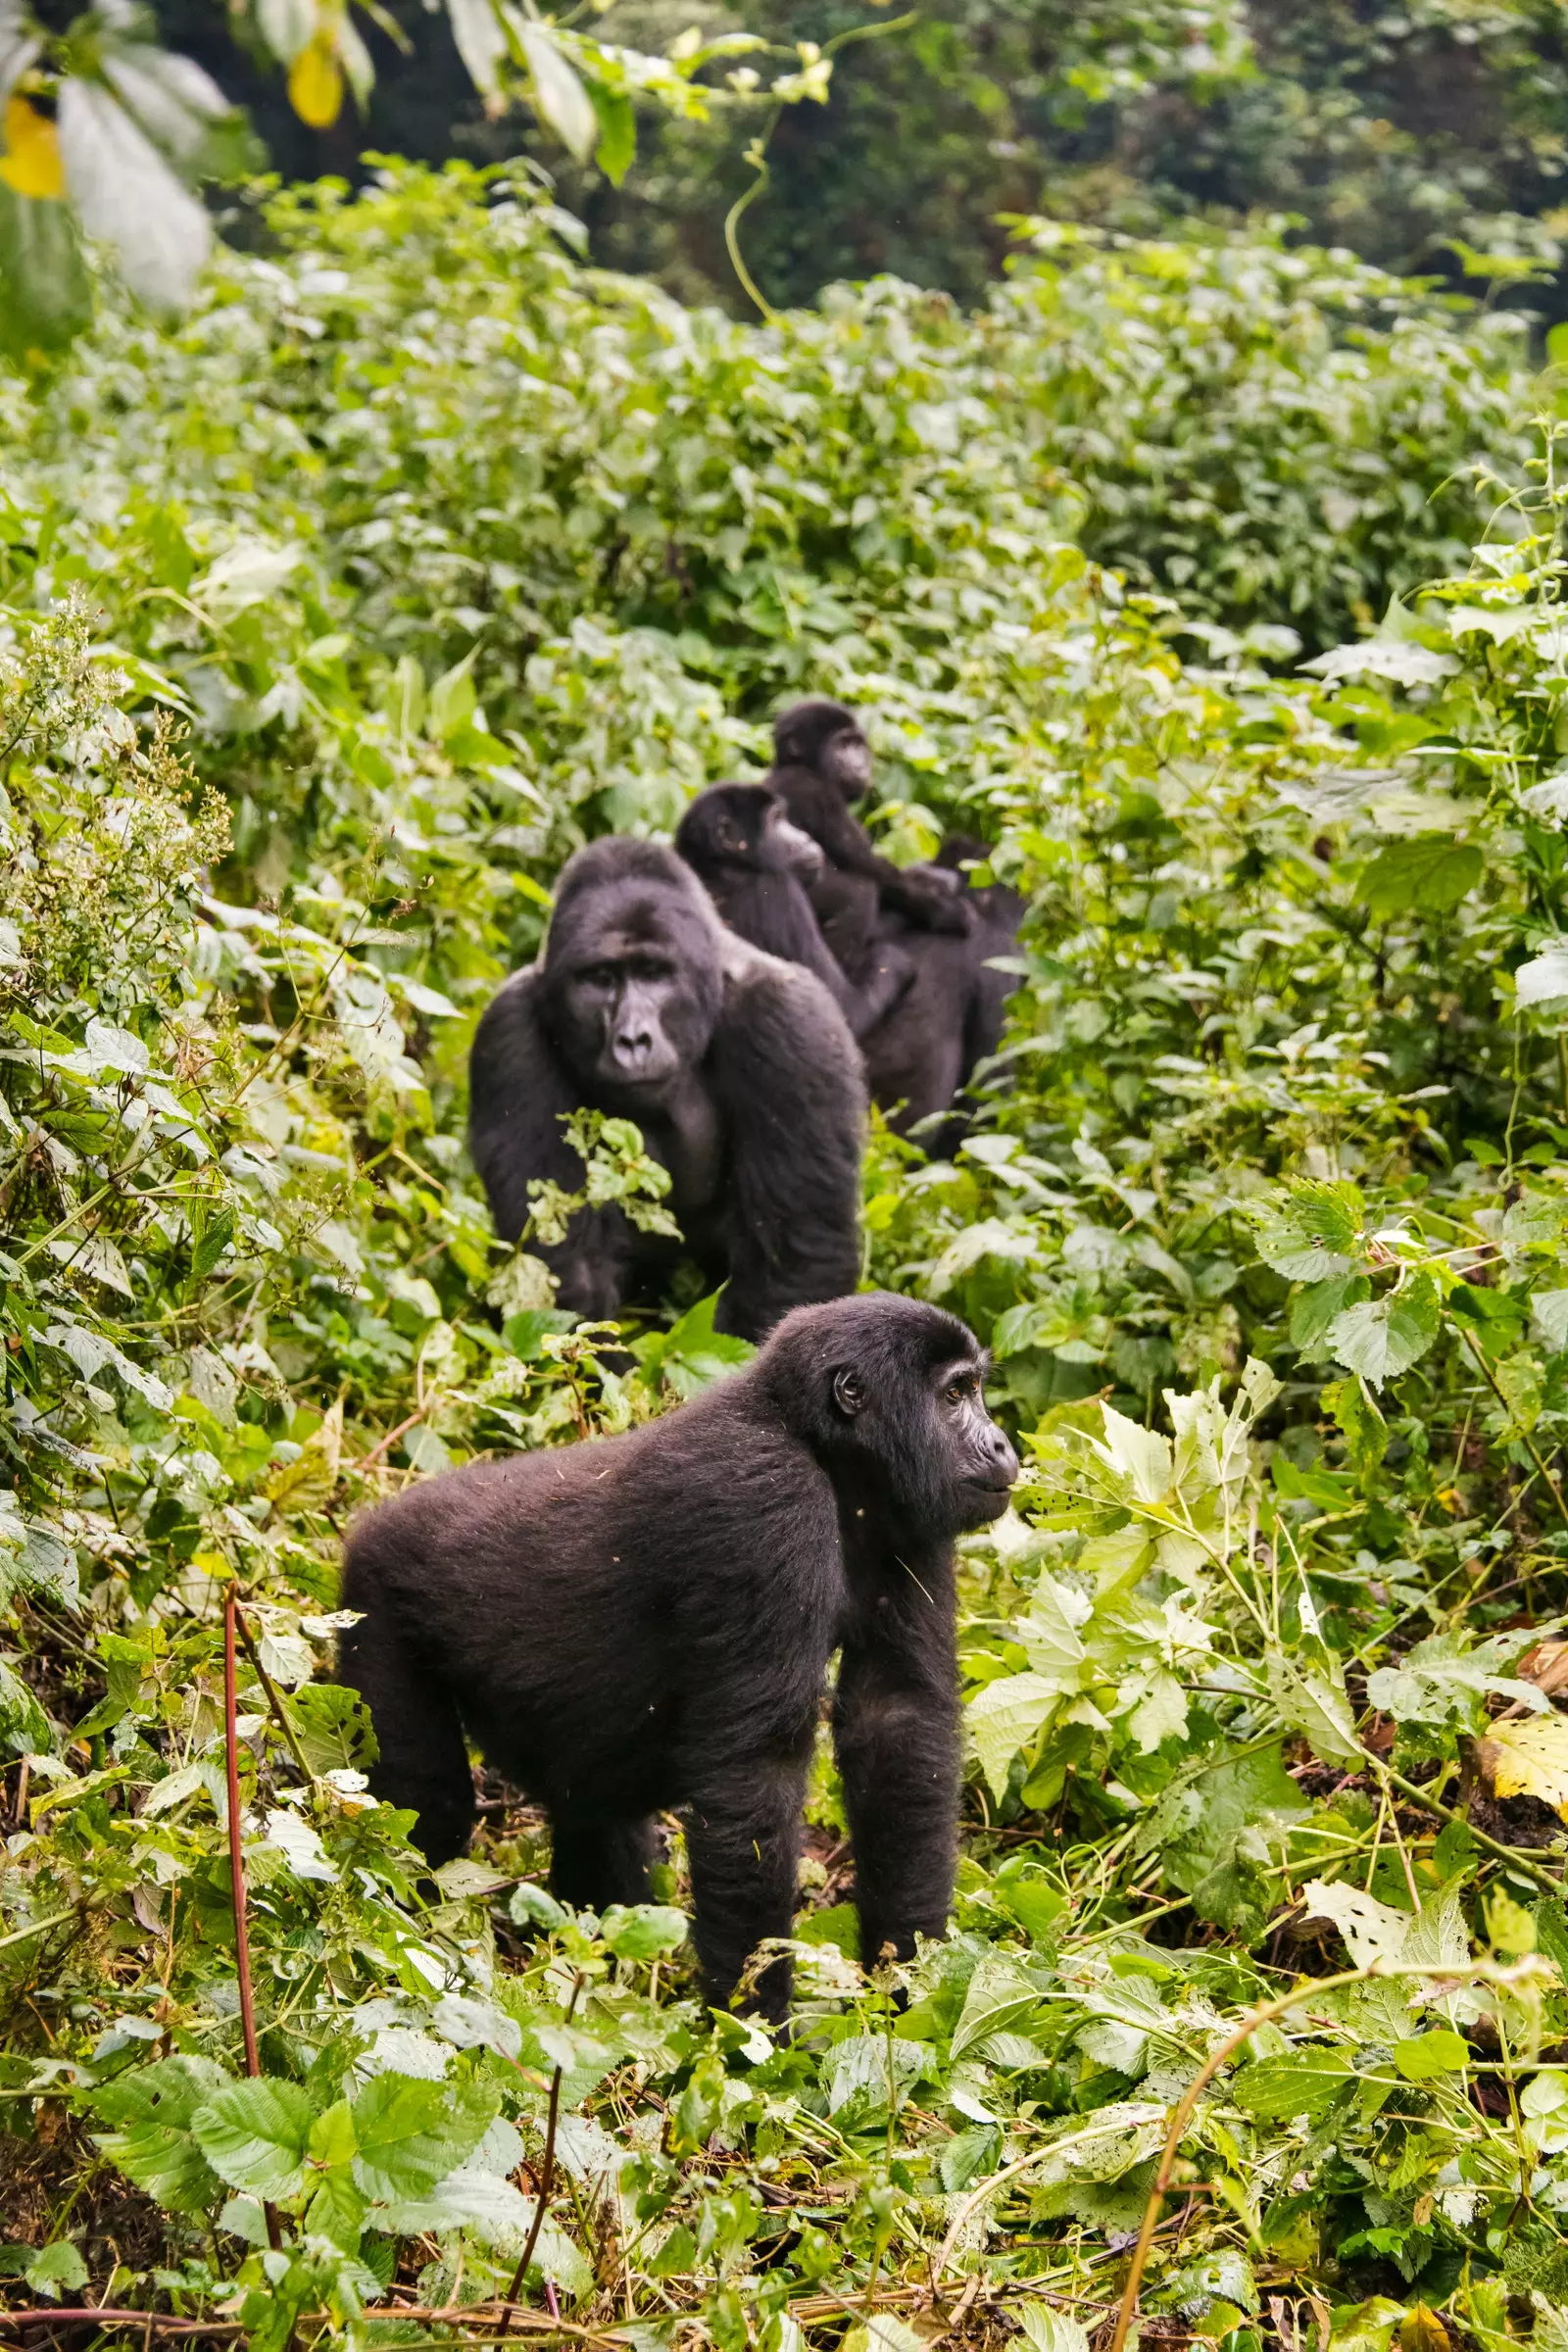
<point x="519" y="1095"/>
<point x="793" y="1092"/>
<point x="819" y="808"/>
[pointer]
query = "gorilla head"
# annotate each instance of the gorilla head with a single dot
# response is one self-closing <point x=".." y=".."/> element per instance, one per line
<point x="745" y="825"/>
<point x="890" y="1392"/>
<point x="828" y="739"/>
<point x="632" y="972"/>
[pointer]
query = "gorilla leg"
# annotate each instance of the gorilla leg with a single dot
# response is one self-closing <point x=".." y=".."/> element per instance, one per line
<point x="596" y="1863"/>
<point x="423" y="1761"/>
<point x="743" y="1839"/>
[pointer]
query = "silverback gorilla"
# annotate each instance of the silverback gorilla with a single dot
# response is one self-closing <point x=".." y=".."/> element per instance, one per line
<point x="759" y="870"/>
<point x="739" y="1070"/>
<point x="646" y="1621"/>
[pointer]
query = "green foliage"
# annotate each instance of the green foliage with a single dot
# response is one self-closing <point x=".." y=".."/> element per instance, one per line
<point x="444" y="554"/>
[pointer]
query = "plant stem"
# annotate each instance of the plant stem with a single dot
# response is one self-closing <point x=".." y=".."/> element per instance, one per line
<point x="546" y="2180"/>
<point x="273" y="1698"/>
<point x="237" y="1862"/>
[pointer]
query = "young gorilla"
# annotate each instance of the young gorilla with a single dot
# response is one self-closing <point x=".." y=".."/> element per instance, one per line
<point x="739" y="1070"/>
<point x="646" y="1621"/>
<point x="821" y="764"/>
<point x="758" y="868"/>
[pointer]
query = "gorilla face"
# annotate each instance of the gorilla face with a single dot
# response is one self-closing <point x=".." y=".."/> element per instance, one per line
<point x="633" y="993"/>
<point x="745" y="825"/>
<point x="845" y="760"/>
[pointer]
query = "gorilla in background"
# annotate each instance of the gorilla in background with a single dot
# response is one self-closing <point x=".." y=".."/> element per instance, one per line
<point x="738" y="1068"/>
<point x="646" y="1621"/>
<point x="821" y="765"/>
<point x="758" y="869"/>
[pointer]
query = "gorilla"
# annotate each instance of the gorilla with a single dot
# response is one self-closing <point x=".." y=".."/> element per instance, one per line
<point x="646" y="1621"/>
<point x="821" y="764"/>
<point x="738" y="1068"/>
<point x="759" y="868"/>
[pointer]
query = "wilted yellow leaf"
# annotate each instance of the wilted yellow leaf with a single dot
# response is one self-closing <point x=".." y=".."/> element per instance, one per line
<point x="1529" y="1758"/>
<point x="308" y="1482"/>
<point x="316" y="82"/>
<point x="31" y="161"/>
<point x="1421" y="2331"/>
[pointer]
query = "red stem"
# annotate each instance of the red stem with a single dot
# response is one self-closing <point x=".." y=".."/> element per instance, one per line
<point x="237" y="1862"/>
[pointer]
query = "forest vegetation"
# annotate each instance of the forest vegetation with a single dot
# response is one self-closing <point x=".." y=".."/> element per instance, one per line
<point x="1212" y="573"/>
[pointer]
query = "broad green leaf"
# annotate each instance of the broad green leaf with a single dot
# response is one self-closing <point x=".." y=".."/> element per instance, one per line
<point x="410" y="2133"/>
<point x="1307" y="2082"/>
<point x="1427" y="875"/>
<point x="1427" y="2055"/>
<point x="1312" y="1700"/>
<point x="1005" y="1717"/>
<point x="1384" y="1336"/>
<point x="1544" y="978"/>
<point x="1314" y="1233"/>
<point x="643" y="1931"/>
<point x="1051" y="2330"/>
<point x="254" y="2134"/>
<point x="558" y="91"/>
<point x="45" y="292"/>
<point x="153" y="2111"/>
<point x="617" y="150"/>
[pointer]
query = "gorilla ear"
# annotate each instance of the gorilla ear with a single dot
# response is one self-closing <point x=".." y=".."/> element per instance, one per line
<point x="849" y="1392"/>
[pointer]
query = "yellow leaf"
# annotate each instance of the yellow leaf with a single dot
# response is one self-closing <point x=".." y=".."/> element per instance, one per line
<point x="1529" y="1758"/>
<point x="1421" y="2331"/>
<point x="307" y="1483"/>
<point x="316" y="82"/>
<point x="31" y="162"/>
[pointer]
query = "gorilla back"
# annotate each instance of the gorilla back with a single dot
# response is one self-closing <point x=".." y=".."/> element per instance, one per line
<point x="739" y="1070"/>
<point x="646" y="1621"/>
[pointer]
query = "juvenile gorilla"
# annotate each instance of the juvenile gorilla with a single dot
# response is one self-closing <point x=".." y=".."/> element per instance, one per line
<point x="821" y="765"/>
<point x="646" y="1621"/>
<point x="758" y="869"/>
<point x="738" y="1068"/>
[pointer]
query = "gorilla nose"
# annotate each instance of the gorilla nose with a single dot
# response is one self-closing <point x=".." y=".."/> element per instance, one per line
<point x="633" y="1048"/>
<point x="1000" y="1458"/>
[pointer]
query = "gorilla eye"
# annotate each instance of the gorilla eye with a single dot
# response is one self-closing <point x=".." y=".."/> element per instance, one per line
<point x="960" y="1389"/>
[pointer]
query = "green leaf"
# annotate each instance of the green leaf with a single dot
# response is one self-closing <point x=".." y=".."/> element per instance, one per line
<point x="1366" y="1433"/>
<point x="332" y="1726"/>
<point x="1426" y="2055"/>
<point x="643" y="1931"/>
<point x="1427" y="874"/>
<point x="45" y="293"/>
<point x="411" y="2134"/>
<point x="617" y="151"/>
<point x="1312" y="1700"/>
<point x="1314" y="1233"/>
<point x="254" y="2134"/>
<point x="1005" y="1717"/>
<point x="1307" y="2082"/>
<point x="558" y="93"/>
<point x="1384" y="1336"/>
<point x="152" y="2110"/>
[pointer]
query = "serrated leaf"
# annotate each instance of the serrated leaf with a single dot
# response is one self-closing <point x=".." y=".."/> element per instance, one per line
<point x="1382" y="1338"/>
<point x="1311" y="1700"/>
<point x="643" y="1931"/>
<point x="411" y="2134"/>
<point x="153" y="2109"/>
<point x="1005" y="1717"/>
<point x="1314" y="1234"/>
<point x="254" y="2134"/>
<point x="1307" y="2082"/>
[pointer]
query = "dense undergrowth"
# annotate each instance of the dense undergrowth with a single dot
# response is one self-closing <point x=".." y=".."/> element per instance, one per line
<point x="335" y="617"/>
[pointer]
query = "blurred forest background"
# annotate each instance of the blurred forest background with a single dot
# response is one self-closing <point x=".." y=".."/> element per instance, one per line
<point x="1408" y="132"/>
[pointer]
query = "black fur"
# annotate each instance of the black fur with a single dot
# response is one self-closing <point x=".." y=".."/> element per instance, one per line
<point x="758" y="869"/>
<point x="646" y="1621"/>
<point x="738" y="1068"/>
<point x="821" y="765"/>
<point x="921" y="1057"/>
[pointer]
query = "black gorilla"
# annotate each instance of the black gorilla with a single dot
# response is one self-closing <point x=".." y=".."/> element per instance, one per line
<point x="759" y="868"/>
<point x="646" y="1621"/>
<point x="738" y="1068"/>
<point x="821" y="764"/>
<point x="922" y="1056"/>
